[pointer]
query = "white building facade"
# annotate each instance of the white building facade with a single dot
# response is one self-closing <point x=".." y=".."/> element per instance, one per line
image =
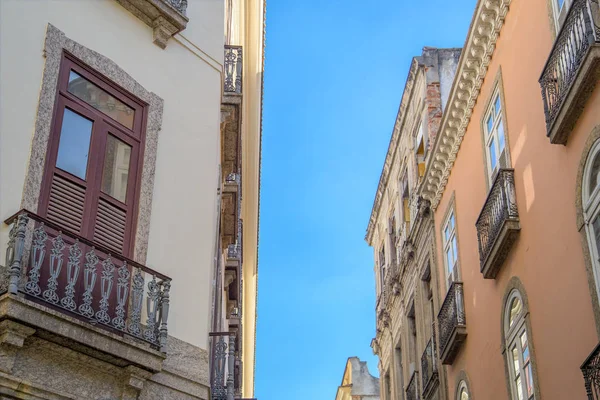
<point x="110" y="189"/>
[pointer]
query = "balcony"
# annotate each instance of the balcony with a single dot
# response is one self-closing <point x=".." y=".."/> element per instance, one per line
<point x="223" y="360"/>
<point x="572" y="69"/>
<point x="429" y="371"/>
<point x="233" y="70"/>
<point x="52" y="275"/>
<point x="591" y="374"/>
<point x="452" y="323"/>
<point x="498" y="224"/>
<point x="412" y="390"/>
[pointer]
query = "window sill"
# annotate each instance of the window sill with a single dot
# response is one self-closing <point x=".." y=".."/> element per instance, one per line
<point x="165" y="17"/>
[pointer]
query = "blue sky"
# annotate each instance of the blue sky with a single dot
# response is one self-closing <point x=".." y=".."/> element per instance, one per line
<point x="334" y="75"/>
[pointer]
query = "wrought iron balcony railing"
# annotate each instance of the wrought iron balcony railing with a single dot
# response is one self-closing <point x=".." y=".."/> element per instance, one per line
<point x="233" y="69"/>
<point x="412" y="390"/>
<point x="85" y="280"/>
<point x="452" y="323"/>
<point x="222" y="380"/>
<point x="498" y="223"/>
<point x="569" y="72"/>
<point x="591" y="374"/>
<point x="429" y="371"/>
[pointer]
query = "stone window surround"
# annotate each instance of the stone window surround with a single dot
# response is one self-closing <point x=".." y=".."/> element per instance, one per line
<point x="593" y="137"/>
<point x="462" y="382"/>
<point x="497" y="87"/>
<point x="55" y="44"/>
<point x="515" y="284"/>
<point x="450" y="208"/>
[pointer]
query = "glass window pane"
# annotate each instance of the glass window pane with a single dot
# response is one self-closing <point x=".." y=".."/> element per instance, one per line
<point x="454" y="249"/>
<point x="596" y="225"/>
<point x="515" y="310"/>
<point x="490" y="124"/>
<point x="115" y="174"/>
<point x="447" y="233"/>
<point x="519" y="388"/>
<point x="594" y="176"/>
<point x="529" y="380"/>
<point x="492" y="150"/>
<point x="452" y="221"/>
<point x="501" y="141"/>
<point x="449" y="263"/>
<point x="100" y="99"/>
<point x="74" y="145"/>
<point x="525" y="347"/>
<point x="560" y="4"/>
<point x="497" y="106"/>
<point x="515" y="360"/>
<point x="464" y="395"/>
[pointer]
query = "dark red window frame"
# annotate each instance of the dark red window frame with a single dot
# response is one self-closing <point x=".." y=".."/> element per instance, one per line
<point x="95" y="207"/>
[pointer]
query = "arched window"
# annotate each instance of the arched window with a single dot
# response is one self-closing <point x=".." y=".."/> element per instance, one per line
<point x="463" y="391"/>
<point x="591" y="208"/>
<point x="518" y="353"/>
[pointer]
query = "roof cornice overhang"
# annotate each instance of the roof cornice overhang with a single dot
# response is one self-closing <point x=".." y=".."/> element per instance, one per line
<point x="393" y="146"/>
<point x="486" y="24"/>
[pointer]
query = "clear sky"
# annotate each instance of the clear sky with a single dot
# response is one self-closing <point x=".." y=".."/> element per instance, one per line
<point x="334" y="74"/>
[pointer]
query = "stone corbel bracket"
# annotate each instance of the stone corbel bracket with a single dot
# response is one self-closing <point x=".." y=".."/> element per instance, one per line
<point x="472" y="67"/>
<point x="165" y="17"/>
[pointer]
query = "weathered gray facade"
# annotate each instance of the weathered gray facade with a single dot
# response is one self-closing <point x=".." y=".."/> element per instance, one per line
<point x="401" y="233"/>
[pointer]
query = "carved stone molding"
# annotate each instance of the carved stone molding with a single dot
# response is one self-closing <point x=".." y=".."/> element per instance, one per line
<point x="134" y="382"/>
<point x="165" y="17"/>
<point x="12" y="338"/>
<point x="474" y="61"/>
<point x="415" y="67"/>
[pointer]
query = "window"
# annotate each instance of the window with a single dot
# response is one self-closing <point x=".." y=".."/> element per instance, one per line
<point x="405" y="203"/>
<point x="591" y="208"/>
<point x="517" y="346"/>
<point x="382" y="271"/>
<point x="494" y="137"/>
<point x="463" y="391"/>
<point x="450" y="248"/>
<point x="421" y="150"/>
<point x="559" y="11"/>
<point x="392" y="233"/>
<point x="93" y="159"/>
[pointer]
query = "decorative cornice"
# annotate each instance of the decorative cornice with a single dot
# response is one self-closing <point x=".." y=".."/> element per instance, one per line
<point x="393" y="146"/>
<point x="480" y="44"/>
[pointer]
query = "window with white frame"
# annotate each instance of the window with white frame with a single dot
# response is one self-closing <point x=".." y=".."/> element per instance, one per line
<point x="517" y="346"/>
<point x="450" y="248"/>
<point x="495" y="139"/>
<point x="463" y="391"/>
<point x="559" y="11"/>
<point x="591" y="211"/>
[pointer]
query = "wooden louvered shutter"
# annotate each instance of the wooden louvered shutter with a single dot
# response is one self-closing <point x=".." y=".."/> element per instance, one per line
<point x="93" y="164"/>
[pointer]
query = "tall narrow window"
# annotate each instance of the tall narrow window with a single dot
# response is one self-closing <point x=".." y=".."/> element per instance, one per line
<point x="93" y="160"/>
<point x="591" y="205"/>
<point x="382" y="267"/>
<point x="421" y="149"/>
<point x="392" y="233"/>
<point x="450" y="248"/>
<point x="405" y="203"/>
<point x="398" y="369"/>
<point x="495" y="139"/>
<point x="518" y="349"/>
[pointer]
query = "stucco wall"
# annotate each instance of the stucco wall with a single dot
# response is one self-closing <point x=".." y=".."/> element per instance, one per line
<point x="548" y="256"/>
<point x="184" y="204"/>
